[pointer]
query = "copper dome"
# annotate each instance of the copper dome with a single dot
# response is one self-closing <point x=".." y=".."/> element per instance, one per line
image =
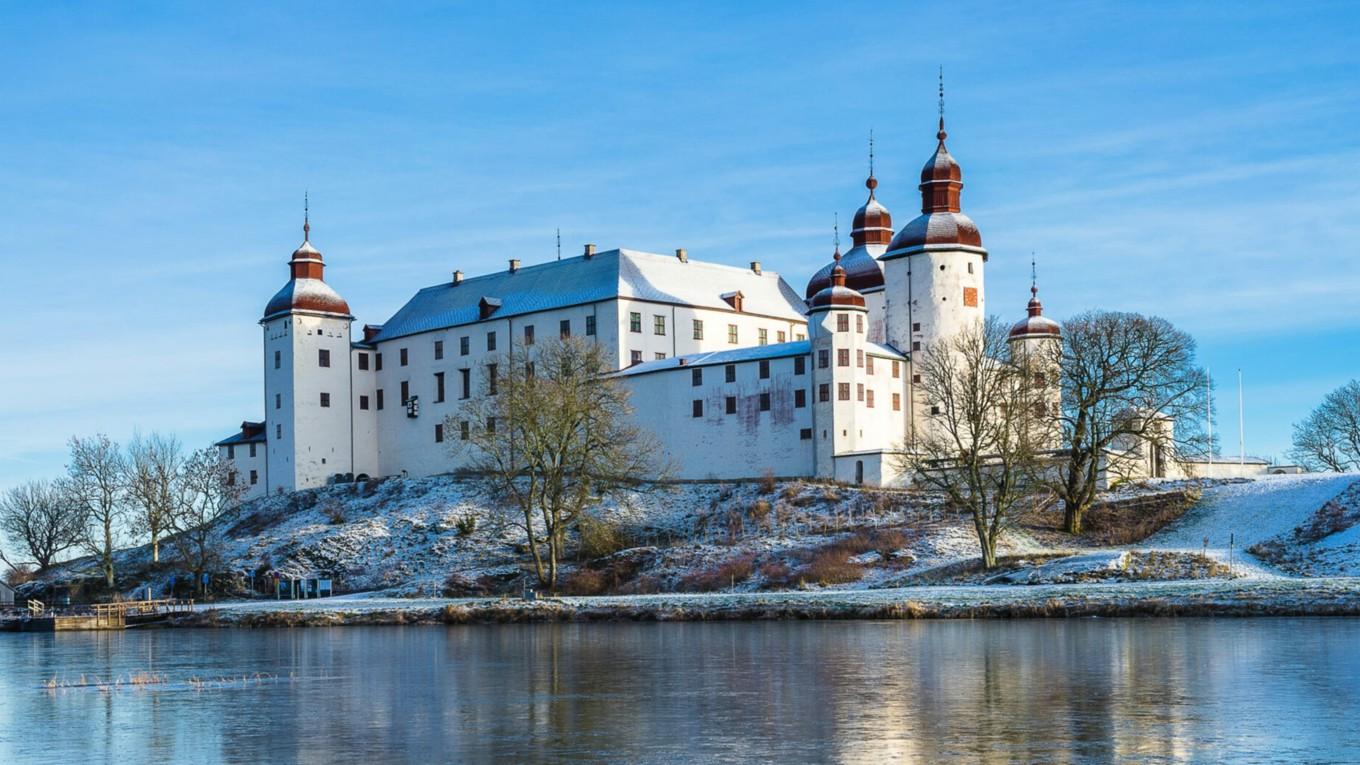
<point x="941" y="220"/>
<point x="1035" y="324"/>
<point x="836" y="294"/>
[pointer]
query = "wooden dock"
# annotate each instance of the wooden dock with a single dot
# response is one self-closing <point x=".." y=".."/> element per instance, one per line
<point x="101" y="616"/>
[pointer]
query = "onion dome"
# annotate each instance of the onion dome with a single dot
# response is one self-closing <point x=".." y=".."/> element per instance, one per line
<point x="872" y="230"/>
<point x="837" y="294"/>
<point x="306" y="290"/>
<point x="1035" y="324"/>
<point x="942" y="220"/>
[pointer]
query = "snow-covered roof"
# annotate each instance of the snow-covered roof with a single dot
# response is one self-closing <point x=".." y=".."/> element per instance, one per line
<point x="604" y="276"/>
<point x="732" y="356"/>
<point x="306" y="295"/>
<point x="251" y="432"/>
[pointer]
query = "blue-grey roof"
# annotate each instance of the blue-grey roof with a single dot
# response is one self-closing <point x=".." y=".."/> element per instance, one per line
<point x="733" y="356"/>
<point x="241" y="438"/>
<point x="604" y="276"/>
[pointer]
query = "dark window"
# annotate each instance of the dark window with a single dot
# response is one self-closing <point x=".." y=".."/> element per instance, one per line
<point x="491" y="341"/>
<point x="231" y="450"/>
<point x="252" y="451"/>
<point x="659" y="356"/>
<point x="465" y="380"/>
<point x="634" y="321"/>
<point x="377" y="362"/>
<point x="380" y="398"/>
<point x="464" y="430"/>
<point x="731" y="402"/>
<point x="697" y="407"/>
<point x="323" y="357"/>
<point x="805" y="434"/>
<point x="363" y="361"/>
<point x="635" y="357"/>
<point x="438" y="387"/>
<point x="564" y="328"/>
<point x="363" y="402"/>
<point x="590" y="325"/>
<point x="491" y="424"/>
<point x="278" y="400"/>
<point x="439" y="432"/>
<point x="799" y="398"/>
<point x="698" y="329"/>
<point x="231" y="478"/>
<point x="464" y="346"/>
<point x="823" y="359"/>
<point x="916" y="379"/>
<point x="730" y="372"/>
<point x="799" y="365"/>
<point x="254" y="477"/>
<point x="278" y="431"/>
<point x="842" y="322"/>
<point x="528" y="334"/>
<point x="764" y="402"/>
<point x="934" y="410"/>
<point x="916" y="326"/>
<point x="842" y="357"/>
<point x="823" y="392"/>
<point x="696" y="377"/>
<point x="278" y="359"/>
<point x="405" y="391"/>
<point x="764" y="369"/>
<point x="325" y="400"/>
<point x="916" y="345"/>
<point x="843" y="391"/>
<point x="438" y="350"/>
<point x="405" y="357"/>
<point x="491" y="378"/>
<point x="780" y="336"/>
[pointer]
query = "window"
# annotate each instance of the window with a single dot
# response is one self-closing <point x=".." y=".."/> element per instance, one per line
<point x="869" y="365"/>
<point x="231" y="451"/>
<point x="859" y="392"/>
<point x="842" y="322"/>
<point x="254" y="477"/>
<point x="764" y="369"/>
<point x="897" y="402"/>
<point x="231" y="478"/>
<point x="842" y="391"/>
<point x="934" y="410"/>
<point x="464" y="346"/>
<point x="869" y="398"/>
<point x="824" y="392"/>
<point x="405" y="391"/>
<point x="564" y="328"/>
<point x="805" y="434"/>
<point x="528" y="334"/>
<point x="896" y="370"/>
<point x="780" y="336"/>
<point x="363" y="362"/>
<point x="278" y="359"/>
<point x="491" y="424"/>
<point x="697" y="407"/>
<point x="698" y="329"/>
<point x="380" y="399"/>
<point x="859" y="323"/>
<point x="252" y="451"/>
<point x="823" y="359"/>
<point x="859" y="359"/>
<point x="492" y="377"/>
<point x="696" y="377"/>
<point x="491" y="341"/>
<point x="438" y="350"/>
<point x="438" y="387"/>
<point x="762" y="336"/>
<point x="731" y="402"/>
<point x="799" y="336"/>
<point x="799" y="398"/>
<point x="764" y="402"/>
<point x="915" y="379"/>
<point x="404" y="357"/>
<point x="635" y="357"/>
<point x="916" y="326"/>
<point x="842" y="357"/>
<point x="439" y="432"/>
<point x="325" y="400"/>
<point x="634" y="321"/>
<point x="464" y="430"/>
<point x="970" y="297"/>
<point x="377" y="362"/>
<point x="730" y="373"/>
<point x="1039" y="409"/>
<point x="363" y="403"/>
<point x="970" y="267"/>
<point x="278" y="400"/>
<point x="732" y="334"/>
<point x="658" y="324"/>
<point x="590" y="325"/>
<point x="916" y="345"/>
<point x="465" y="381"/>
<point x="278" y="431"/>
<point x="799" y="365"/>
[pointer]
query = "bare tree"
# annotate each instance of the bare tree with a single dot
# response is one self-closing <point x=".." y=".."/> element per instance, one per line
<point x="153" y="470"/>
<point x="210" y="491"/>
<point x="1329" y="437"/>
<point x="552" y="436"/>
<point x="38" y="518"/>
<point x="981" y="444"/>
<point x="1124" y="376"/>
<point x="97" y="484"/>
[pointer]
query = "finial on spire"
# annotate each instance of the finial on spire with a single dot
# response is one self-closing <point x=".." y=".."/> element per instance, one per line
<point x="872" y="182"/>
<point x="559" y="243"/>
<point x="1033" y="277"/>
<point x="306" y="217"/>
<point x="836" y="235"/>
<point x="941" y="135"/>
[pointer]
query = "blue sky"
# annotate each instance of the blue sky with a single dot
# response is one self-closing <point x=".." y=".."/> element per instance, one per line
<point x="1193" y="161"/>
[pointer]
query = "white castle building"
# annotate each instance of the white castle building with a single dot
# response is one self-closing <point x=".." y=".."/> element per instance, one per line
<point x="735" y="373"/>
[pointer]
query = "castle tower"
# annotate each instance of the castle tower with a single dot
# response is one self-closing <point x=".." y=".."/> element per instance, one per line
<point x="1036" y="342"/>
<point x="933" y="267"/>
<point x="308" y="420"/>
<point x="837" y="326"/>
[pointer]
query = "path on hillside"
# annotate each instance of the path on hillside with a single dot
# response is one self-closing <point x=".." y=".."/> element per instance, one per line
<point x="1250" y="512"/>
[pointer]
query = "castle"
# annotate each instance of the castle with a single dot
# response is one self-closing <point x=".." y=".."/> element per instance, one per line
<point x="735" y="373"/>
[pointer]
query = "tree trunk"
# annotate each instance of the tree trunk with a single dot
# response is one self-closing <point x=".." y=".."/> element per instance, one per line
<point x="155" y="548"/>
<point x="988" y="553"/>
<point x="1072" y="514"/>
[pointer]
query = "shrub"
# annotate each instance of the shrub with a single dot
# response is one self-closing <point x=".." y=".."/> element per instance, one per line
<point x="731" y="571"/>
<point x="465" y="525"/>
<point x="18" y="575"/>
<point x="760" y="510"/>
<point x="830" y="566"/>
<point x="766" y="484"/>
<point x="334" y="513"/>
<point x="599" y="537"/>
<point x="775" y="573"/>
<point x="584" y="581"/>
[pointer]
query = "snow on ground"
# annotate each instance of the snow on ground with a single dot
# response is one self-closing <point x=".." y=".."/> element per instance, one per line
<point x="1248" y="512"/>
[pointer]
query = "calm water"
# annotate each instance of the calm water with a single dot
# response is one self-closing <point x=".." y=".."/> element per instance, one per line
<point x="1207" y="690"/>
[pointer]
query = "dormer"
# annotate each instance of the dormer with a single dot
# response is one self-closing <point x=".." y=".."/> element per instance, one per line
<point x="487" y="306"/>
<point x="733" y="299"/>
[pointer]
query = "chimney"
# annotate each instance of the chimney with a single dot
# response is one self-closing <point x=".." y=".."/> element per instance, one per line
<point x="514" y="265"/>
<point x="681" y="255"/>
<point x="755" y="266"/>
<point x="682" y="360"/>
<point x="590" y="251"/>
<point x="457" y="278"/>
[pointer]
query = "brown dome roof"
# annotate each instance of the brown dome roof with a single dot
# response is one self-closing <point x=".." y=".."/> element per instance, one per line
<point x="306" y="290"/>
<point x="837" y="294"/>
<point x="941" y="220"/>
<point x="872" y="226"/>
<point x="1035" y="324"/>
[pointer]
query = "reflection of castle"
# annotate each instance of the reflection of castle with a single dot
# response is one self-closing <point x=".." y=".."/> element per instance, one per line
<point x="733" y="371"/>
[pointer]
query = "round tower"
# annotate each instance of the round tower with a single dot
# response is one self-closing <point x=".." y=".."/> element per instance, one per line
<point x="308" y="419"/>
<point x="1035" y="344"/>
<point x="837" y="326"/>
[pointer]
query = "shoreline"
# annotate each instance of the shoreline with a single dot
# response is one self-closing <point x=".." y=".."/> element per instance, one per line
<point x="1337" y="596"/>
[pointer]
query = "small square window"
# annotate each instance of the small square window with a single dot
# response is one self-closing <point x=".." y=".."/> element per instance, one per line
<point x="635" y="357"/>
<point x="915" y="379"/>
<point x="916" y="326"/>
<point x="916" y="345"/>
<point x="805" y="434"/>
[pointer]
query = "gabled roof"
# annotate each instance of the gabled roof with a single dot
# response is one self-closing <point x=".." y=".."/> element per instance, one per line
<point x="251" y="432"/>
<point x="603" y="276"/>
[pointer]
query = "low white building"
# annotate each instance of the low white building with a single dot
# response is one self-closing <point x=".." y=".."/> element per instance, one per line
<point x="734" y="371"/>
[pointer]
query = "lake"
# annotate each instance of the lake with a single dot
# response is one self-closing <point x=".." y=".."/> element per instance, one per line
<point x="1090" y="690"/>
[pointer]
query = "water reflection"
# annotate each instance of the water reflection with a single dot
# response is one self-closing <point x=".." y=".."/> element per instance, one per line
<point x="991" y="692"/>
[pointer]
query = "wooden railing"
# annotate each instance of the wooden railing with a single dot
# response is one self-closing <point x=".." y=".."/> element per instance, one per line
<point x="116" y="614"/>
<point x="36" y="608"/>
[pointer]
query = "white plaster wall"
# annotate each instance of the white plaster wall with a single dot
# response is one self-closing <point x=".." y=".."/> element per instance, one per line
<point x="315" y="442"/>
<point x="927" y="288"/>
<point x="365" y="436"/>
<point x="679" y="338"/>
<point x="239" y="455"/>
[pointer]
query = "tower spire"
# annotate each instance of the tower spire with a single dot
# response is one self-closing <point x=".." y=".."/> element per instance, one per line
<point x="559" y="243"/>
<point x="941" y="134"/>
<point x="306" y="217"/>
<point x="836" y="235"/>
<point x="1035" y="307"/>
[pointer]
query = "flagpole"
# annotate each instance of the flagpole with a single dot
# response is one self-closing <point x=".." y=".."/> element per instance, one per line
<point x="1241" y="423"/>
<point x="1209" y="405"/>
